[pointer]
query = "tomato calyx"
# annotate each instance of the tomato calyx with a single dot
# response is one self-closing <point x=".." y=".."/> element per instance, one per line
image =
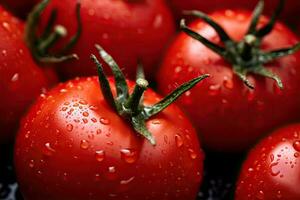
<point x="130" y="106"/>
<point x="245" y="56"/>
<point x="40" y="45"/>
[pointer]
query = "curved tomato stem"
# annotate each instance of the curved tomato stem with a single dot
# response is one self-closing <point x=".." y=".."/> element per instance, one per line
<point x="245" y="56"/>
<point x="131" y="107"/>
<point x="40" y="45"/>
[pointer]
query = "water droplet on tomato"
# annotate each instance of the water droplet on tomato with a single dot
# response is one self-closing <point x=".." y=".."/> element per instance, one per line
<point x="228" y="83"/>
<point x="104" y="121"/>
<point x="48" y="150"/>
<point x="15" y="77"/>
<point x="178" y="140"/>
<point x="129" y="155"/>
<point x="84" y="144"/>
<point x="100" y="155"/>
<point x="98" y="131"/>
<point x="214" y="90"/>
<point x="94" y="120"/>
<point x="260" y="195"/>
<point x="85" y="114"/>
<point x="272" y="171"/>
<point x="31" y="163"/>
<point x="296" y="145"/>
<point x="296" y="155"/>
<point x="193" y="154"/>
<point x="125" y="182"/>
<point x="69" y="127"/>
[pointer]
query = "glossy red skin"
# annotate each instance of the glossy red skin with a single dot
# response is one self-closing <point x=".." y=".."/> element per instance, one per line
<point x="19" y="7"/>
<point x="272" y="169"/>
<point x="228" y="115"/>
<point x="128" y="30"/>
<point x="170" y="170"/>
<point x="21" y="80"/>
<point x="290" y="13"/>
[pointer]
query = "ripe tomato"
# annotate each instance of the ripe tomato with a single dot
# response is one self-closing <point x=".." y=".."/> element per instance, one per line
<point x="20" y="78"/>
<point x="272" y="168"/>
<point x="20" y="8"/>
<point x="229" y="115"/>
<point x="130" y="30"/>
<point x="73" y="145"/>
<point x="290" y="11"/>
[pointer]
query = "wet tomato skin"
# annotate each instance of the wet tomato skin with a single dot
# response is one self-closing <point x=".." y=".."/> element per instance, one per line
<point x="129" y="30"/>
<point x="272" y="168"/>
<point x="72" y="145"/>
<point x="289" y="14"/>
<point x="21" y="80"/>
<point x="228" y="115"/>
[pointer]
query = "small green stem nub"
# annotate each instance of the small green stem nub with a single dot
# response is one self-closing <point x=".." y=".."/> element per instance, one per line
<point x="133" y="102"/>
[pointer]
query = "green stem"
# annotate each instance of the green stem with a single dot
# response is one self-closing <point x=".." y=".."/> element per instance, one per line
<point x="134" y="100"/>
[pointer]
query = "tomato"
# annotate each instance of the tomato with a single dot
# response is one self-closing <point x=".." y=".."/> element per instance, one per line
<point x="230" y="115"/>
<point x="129" y="30"/>
<point x="21" y="80"/>
<point x="290" y="11"/>
<point x="73" y="145"/>
<point x="272" y="168"/>
<point x="20" y="8"/>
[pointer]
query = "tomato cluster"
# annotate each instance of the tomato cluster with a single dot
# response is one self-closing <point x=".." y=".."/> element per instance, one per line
<point x="81" y="128"/>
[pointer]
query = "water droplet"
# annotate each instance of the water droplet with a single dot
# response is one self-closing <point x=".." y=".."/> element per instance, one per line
<point x="112" y="169"/>
<point x="193" y="154"/>
<point x="272" y="171"/>
<point x="99" y="131"/>
<point x="157" y="21"/>
<point x="296" y="155"/>
<point x="69" y="127"/>
<point x="94" y="120"/>
<point x="85" y="121"/>
<point x="260" y="195"/>
<point x="250" y="169"/>
<point x="125" y="182"/>
<point x="31" y="163"/>
<point x="296" y="145"/>
<point x="104" y="121"/>
<point x="279" y="195"/>
<point x="129" y="155"/>
<point x="48" y="150"/>
<point x="6" y="26"/>
<point x="228" y="83"/>
<point x="214" y="90"/>
<point x="178" y="140"/>
<point x="63" y="90"/>
<point x="4" y="52"/>
<point x="15" y="77"/>
<point x="110" y="143"/>
<point x="156" y="122"/>
<point x="250" y="95"/>
<point x="85" y="114"/>
<point x="84" y="144"/>
<point x="100" y="155"/>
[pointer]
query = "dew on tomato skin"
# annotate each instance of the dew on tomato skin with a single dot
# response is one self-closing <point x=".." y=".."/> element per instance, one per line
<point x="4" y="52"/>
<point x="296" y="145"/>
<point x="192" y="153"/>
<point x="97" y="177"/>
<point x="48" y="150"/>
<point x="94" y="120"/>
<point x="228" y="83"/>
<point x="260" y="195"/>
<point x="110" y="143"/>
<point x="100" y="155"/>
<point x="178" y="141"/>
<point x="84" y="144"/>
<point x="272" y="172"/>
<point x="129" y="155"/>
<point x="85" y="114"/>
<point x="99" y="131"/>
<point x="250" y="169"/>
<point x="104" y="121"/>
<point x="296" y="155"/>
<point x="85" y="121"/>
<point x="31" y="163"/>
<point x="69" y="127"/>
<point x="126" y="182"/>
<point x="214" y="90"/>
<point x="155" y="122"/>
<point x="272" y="157"/>
<point x="15" y="77"/>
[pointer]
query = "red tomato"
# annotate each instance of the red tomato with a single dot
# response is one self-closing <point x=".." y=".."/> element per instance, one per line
<point x="230" y="116"/>
<point x="291" y="9"/>
<point x="272" y="169"/>
<point x="19" y="7"/>
<point x="129" y="30"/>
<point x="73" y="145"/>
<point x="20" y="78"/>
